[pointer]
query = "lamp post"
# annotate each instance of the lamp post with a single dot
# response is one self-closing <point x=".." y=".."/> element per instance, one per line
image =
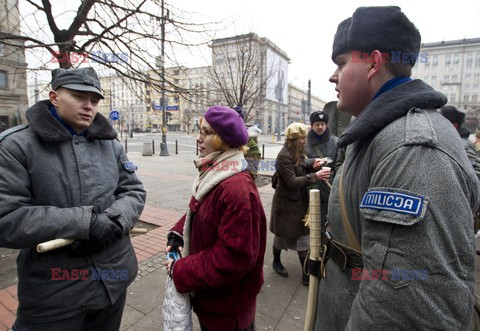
<point x="163" y="147"/>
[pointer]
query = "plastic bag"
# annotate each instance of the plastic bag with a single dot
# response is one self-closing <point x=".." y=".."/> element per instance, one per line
<point x="177" y="312"/>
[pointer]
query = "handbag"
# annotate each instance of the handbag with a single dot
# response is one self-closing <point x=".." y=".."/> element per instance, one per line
<point x="177" y="312"/>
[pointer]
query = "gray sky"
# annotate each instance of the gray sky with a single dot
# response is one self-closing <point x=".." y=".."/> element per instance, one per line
<point x="304" y="29"/>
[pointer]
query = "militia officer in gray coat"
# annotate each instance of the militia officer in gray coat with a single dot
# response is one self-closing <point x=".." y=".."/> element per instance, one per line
<point x="64" y="175"/>
<point x="457" y="118"/>
<point x="322" y="143"/>
<point x="401" y="257"/>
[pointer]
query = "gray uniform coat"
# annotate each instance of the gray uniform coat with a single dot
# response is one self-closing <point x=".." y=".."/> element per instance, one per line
<point x="320" y="148"/>
<point x="410" y="192"/>
<point x="50" y="181"/>
<point x="290" y="200"/>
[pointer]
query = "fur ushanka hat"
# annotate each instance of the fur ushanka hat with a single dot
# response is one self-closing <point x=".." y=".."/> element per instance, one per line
<point x="386" y="29"/>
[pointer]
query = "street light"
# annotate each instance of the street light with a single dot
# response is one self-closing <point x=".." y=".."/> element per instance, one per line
<point x="163" y="147"/>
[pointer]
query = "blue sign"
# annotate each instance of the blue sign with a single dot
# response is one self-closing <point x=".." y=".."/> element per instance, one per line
<point x="159" y="107"/>
<point x="114" y="115"/>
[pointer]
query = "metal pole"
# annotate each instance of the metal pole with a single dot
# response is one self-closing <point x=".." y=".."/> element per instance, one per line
<point x="263" y="151"/>
<point x="126" y="147"/>
<point x="309" y="100"/>
<point x="176" y="146"/>
<point x="164" y="149"/>
<point x="153" y="147"/>
<point x="278" y="121"/>
<point x="196" y="149"/>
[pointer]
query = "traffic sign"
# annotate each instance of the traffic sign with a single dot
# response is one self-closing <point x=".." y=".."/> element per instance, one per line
<point x="114" y="115"/>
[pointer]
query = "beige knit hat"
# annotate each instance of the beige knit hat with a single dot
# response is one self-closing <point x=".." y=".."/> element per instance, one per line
<point x="296" y="131"/>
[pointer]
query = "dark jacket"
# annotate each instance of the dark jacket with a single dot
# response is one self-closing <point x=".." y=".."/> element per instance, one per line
<point x="410" y="193"/>
<point x="50" y="181"/>
<point x="225" y="267"/>
<point x="290" y="200"/>
<point x="320" y="148"/>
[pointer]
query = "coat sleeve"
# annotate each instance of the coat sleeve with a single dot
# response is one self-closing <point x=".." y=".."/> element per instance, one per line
<point x="418" y="229"/>
<point x="472" y="156"/>
<point x="23" y="225"/>
<point x="130" y="194"/>
<point x="236" y="249"/>
<point x="287" y="172"/>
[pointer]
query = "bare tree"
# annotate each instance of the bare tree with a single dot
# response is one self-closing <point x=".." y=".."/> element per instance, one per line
<point x="239" y="72"/>
<point x="124" y="36"/>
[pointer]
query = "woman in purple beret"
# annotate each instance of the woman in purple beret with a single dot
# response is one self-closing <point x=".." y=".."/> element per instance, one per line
<point x="223" y="233"/>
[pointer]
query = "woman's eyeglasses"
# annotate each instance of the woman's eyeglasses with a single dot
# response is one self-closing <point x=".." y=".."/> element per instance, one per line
<point x="204" y="133"/>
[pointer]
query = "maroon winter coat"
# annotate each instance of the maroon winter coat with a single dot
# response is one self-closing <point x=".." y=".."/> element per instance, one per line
<point x="225" y="265"/>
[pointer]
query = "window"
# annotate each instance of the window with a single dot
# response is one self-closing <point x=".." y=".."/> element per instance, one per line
<point x="452" y="98"/>
<point x="476" y="77"/>
<point x="456" y="58"/>
<point x="3" y="79"/>
<point x="447" y="59"/>
<point x="454" y="77"/>
<point x="435" y="60"/>
<point x="425" y="79"/>
<point x="2" y="49"/>
<point x="469" y="66"/>
<point x="475" y="86"/>
<point x="467" y="86"/>
<point x="469" y="57"/>
<point x="434" y="78"/>
<point x="474" y="97"/>
<point x="467" y="77"/>
<point x="465" y="97"/>
<point x="446" y="77"/>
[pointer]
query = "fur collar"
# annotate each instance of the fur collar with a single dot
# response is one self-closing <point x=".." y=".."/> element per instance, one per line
<point x="314" y="139"/>
<point x="49" y="129"/>
<point x="390" y="106"/>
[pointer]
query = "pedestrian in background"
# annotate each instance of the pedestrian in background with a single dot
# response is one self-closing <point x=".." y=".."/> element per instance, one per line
<point x="457" y="118"/>
<point x="252" y="155"/>
<point x="223" y="234"/>
<point x="402" y="203"/>
<point x="290" y="200"/>
<point x="321" y="144"/>
<point x="65" y="175"/>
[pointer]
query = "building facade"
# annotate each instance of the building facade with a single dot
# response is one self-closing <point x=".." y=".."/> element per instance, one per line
<point x="299" y="107"/>
<point x="453" y="68"/>
<point x="13" y="79"/>
<point x="252" y="72"/>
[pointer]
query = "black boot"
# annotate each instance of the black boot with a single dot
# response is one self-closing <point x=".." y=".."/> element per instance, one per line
<point x="277" y="264"/>
<point x="305" y="277"/>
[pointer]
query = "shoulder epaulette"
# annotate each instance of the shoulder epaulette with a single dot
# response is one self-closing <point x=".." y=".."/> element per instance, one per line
<point x="419" y="128"/>
<point x="12" y="130"/>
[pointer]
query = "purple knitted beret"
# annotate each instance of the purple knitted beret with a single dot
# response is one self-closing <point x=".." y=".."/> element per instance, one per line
<point x="228" y="124"/>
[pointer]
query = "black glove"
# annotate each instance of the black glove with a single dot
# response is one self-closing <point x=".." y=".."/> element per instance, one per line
<point x="174" y="240"/>
<point x="103" y="231"/>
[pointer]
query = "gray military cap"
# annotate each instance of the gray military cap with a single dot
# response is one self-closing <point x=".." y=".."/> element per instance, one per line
<point x="78" y="79"/>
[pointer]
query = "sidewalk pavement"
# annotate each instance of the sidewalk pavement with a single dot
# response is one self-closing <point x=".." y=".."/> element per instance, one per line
<point x="281" y="303"/>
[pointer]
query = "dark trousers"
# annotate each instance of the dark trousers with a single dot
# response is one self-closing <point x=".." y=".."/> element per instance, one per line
<point x="105" y="319"/>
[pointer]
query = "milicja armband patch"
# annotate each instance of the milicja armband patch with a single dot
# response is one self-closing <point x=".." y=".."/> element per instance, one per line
<point x="129" y="166"/>
<point x="393" y="206"/>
